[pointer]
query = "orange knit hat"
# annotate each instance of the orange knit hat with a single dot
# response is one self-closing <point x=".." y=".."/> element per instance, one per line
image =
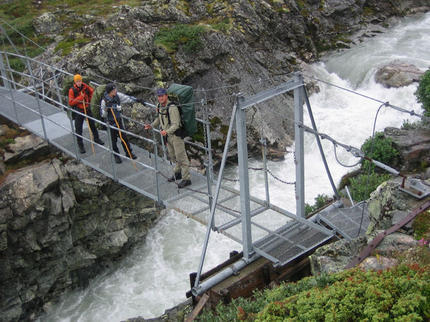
<point x="77" y="78"/>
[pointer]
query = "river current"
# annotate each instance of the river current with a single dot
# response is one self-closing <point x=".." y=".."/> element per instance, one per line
<point x="154" y="277"/>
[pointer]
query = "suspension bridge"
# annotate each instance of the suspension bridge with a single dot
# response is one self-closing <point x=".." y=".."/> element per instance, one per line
<point x="33" y="99"/>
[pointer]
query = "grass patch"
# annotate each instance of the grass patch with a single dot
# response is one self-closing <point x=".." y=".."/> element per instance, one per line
<point x="186" y="36"/>
<point x="67" y="45"/>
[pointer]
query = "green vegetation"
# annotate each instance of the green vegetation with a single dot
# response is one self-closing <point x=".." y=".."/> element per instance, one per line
<point x="320" y="201"/>
<point x="398" y="294"/>
<point x="381" y="149"/>
<point x="67" y="45"/>
<point x="421" y="226"/>
<point x="186" y="36"/>
<point x="363" y="184"/>
<point x="370" y="177"/>
<point x="20" y="14"/>
<point x="423" y="92"/>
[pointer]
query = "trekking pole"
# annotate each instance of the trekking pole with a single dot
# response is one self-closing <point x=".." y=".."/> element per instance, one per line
<point x="122" y="140"/>
<point x="89" y="127"/>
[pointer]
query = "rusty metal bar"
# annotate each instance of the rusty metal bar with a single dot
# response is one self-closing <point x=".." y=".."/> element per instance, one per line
<point x="375" y="242"/>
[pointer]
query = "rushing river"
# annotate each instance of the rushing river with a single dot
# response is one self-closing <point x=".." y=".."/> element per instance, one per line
<point x="154" y="277"/>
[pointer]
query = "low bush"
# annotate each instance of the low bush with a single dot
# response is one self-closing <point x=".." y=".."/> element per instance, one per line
<point x="423" y="92"/>
<point x="320" y="201"/>
<point x="381" y="149"/>
<point x="398" y="294"/>
<point x="363" y="184"/>
<point x="186" y="36"/>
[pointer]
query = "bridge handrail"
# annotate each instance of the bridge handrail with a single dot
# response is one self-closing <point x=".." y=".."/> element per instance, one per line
<point x="204" y="148"/>
<point x="45" y="117"/>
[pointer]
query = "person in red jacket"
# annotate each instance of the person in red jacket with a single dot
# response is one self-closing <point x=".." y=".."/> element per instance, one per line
<point x="79" y="98"/>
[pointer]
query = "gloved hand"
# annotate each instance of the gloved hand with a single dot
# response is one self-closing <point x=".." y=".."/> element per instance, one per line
<point x="118" y="108"/>
<point x="104" y="113"/>
<point x="81" y="98"/>
<point x="141" y="101"/>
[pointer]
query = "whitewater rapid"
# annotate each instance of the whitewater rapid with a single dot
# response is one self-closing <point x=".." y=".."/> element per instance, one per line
<point x="154" y="277"/>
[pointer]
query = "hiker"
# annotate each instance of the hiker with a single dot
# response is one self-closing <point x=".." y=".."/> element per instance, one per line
<point x="79" y="98"/>
<point x="110" y="109"/>
<point x="171" y="128"/>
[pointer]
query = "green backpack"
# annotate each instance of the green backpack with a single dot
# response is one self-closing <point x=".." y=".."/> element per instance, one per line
<point x="95" y="105"/>
<point x="183" y="97"/>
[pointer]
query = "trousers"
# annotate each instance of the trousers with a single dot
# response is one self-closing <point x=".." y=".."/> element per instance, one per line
<point x="178" y="155"/>
<point x="79" y="122"/>
<point x="114" y="134"/>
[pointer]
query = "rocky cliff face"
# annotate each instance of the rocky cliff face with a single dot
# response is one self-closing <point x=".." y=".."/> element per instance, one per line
<point x="234" y="46"/>
<point x="61" y="223"/>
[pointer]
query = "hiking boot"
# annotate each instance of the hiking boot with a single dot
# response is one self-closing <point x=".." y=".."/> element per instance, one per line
<point x="177" y="176"/>
<point x="117" y="159"/>
<point x="184" y="183"/>
<point x="81" y="148"/>
<point x="133" y="156"/>
<point x="98" y="141"/>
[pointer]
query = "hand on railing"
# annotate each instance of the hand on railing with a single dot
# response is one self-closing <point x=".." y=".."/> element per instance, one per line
<point x="147" y="126"/>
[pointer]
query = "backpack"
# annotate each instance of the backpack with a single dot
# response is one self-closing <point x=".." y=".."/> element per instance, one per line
<point x="95" y="105"/>
<point x="182" y="96"/>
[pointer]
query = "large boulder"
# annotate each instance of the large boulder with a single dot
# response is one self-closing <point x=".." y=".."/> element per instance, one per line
<point x="48" y="24"/>
<point x="413" y="145"/>
<point x="398" y="74"/>
<point x="29" y="148"/>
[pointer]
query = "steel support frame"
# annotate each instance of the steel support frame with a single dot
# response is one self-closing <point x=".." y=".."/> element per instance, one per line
<point x="299" y="153"/>
<point x="242" y="152"/>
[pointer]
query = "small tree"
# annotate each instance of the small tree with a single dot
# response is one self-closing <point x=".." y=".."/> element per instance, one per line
<point x="423" y="92"/>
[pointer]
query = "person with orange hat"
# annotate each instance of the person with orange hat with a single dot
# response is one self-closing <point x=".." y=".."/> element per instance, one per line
<point x="79" y="98"/>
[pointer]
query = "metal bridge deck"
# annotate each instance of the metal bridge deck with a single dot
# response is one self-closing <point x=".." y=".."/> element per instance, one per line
<point x="23" y="111"/>
<point x="278" y="235"/>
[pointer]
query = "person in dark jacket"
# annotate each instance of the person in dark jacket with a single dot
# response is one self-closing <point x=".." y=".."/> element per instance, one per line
<point x="79" y="97"/>
<point x="110" y="109"/>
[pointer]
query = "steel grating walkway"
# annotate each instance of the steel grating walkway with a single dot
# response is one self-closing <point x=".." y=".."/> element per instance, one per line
<point x="279" y="236"/>
<point x="349" y="222"/>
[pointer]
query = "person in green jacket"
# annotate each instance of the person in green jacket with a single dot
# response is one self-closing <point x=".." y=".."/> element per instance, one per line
<point x="169" y="119"/>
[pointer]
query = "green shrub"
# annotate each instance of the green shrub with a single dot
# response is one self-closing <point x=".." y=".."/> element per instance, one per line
<point x="320" y="201"/>
<point x="423" y="92"/>
<point x="381" y="149"/>
<point x="398" y="294"/>
<point x="186" y="36"/>
<point x="421" y="225"/>
<point x="363" y="184"/>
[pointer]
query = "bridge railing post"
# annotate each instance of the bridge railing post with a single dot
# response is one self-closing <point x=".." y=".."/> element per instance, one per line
<point x="112" y="161"/>
<point x="6" y="82"/>
<point x="299" y="147"/>
<point x="209" y="167"/>
<point x="266" y="179"/>
<point x="36" y="95"/>
<point x="242" y="153"/>
<point x="157" y="175"/>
